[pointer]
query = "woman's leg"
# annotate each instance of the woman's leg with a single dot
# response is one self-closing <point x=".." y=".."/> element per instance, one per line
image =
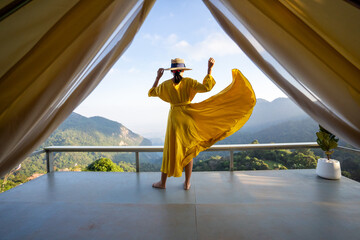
<point x="188" y="171"/>
<point x="162" y="182"/>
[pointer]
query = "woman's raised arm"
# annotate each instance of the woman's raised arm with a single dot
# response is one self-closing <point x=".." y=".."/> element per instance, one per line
<point x="211" y="63"/>
<point x="160" y="72"/>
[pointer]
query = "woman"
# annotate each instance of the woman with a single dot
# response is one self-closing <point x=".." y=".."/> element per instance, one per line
<point x="192" y="128"/>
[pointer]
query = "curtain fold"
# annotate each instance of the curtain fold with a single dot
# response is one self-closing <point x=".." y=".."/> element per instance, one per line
<point x="302" y="54"/>
<point x="58" y="66"/>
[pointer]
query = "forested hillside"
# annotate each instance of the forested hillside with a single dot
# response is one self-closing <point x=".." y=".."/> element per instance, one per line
<point x="78" y="130"/>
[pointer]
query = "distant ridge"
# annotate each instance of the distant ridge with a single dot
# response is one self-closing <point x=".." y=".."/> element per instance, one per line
<point x="80" y="130"/>
<point x="266" y="114"/>
<point x="278" y="121"/>
<point x="261" y="100"/>
<point x="301" y="130"/>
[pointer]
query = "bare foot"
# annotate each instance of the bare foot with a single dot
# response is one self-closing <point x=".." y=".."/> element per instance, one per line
<point x="187" y="186"/>
<point x="158" y="185"/>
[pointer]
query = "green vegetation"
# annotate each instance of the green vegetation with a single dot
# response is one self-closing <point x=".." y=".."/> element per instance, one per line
<point x="29" y="169"/>
<point x="274" y="165"/>
<point x="127" y="167"/>
<point x="261" y="160"/>
<point x="326" y="141"/>
<point x="104" y="165"/>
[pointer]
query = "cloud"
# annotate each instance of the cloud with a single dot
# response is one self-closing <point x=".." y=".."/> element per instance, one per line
<point x="216" y="44"/>
<point x="153" y="38"/>
<point x="165" y="41"/>
<point x="182" y="44"/>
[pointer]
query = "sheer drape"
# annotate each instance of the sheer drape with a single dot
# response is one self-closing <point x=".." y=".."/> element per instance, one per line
<point x="309" y="49"/>
<point x="54" y="53"/>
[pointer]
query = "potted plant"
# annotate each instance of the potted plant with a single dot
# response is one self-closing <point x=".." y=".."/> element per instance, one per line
<point x="327" y="168"/>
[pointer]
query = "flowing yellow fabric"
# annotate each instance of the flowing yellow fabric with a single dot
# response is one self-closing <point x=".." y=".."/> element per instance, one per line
<point x="194" y="127"/>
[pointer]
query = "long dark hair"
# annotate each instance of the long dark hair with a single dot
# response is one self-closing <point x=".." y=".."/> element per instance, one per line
<point x="177" y="76"/>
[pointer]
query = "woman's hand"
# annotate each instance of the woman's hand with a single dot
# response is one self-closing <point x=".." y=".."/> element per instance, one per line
<point x="211" y="63"/>
<point x="160" y="72"/>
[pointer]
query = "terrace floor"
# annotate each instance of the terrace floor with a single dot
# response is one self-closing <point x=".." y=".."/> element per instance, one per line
<point x="287" y="204"/>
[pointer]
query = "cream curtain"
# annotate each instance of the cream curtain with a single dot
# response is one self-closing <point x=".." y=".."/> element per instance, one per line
<point x="310" y="49"/>
<point x="54" y="53"/>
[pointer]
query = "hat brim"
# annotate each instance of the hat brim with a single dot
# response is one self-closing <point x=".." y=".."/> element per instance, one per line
<point x="178" y="68"/>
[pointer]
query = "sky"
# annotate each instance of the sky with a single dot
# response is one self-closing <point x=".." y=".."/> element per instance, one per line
<point x="184" y="29"/>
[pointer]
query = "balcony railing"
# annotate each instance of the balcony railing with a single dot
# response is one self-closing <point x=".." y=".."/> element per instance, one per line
<point x="137" y="149"/>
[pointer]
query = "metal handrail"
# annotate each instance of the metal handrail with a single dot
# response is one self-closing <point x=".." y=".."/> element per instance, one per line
<point x="137" y="149"/>
<point x="353" y="150"/>
<point x="227" y="147"/>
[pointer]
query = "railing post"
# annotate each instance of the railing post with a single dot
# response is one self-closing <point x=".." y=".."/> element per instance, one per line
<point x="137" y="162"/>
<point x="231" y="160"/>
<point x="49" y="161"/>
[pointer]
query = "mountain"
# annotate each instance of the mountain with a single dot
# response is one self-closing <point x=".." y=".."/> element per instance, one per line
<point x="278" y="121"/>
<point x="157" y="141"/>
<point x="78" y="130"/>
<point x="97" y="131"/>
<point x="301" y="130"/>
<point x="266" y="114"/>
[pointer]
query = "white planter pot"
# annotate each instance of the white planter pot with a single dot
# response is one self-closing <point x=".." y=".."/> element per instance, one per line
<point x="329" y="169"/>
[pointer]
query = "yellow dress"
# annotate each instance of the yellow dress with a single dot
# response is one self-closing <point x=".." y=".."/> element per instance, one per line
<point x="194" y="127"/>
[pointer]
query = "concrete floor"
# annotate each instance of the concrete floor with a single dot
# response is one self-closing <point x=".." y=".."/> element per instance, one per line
<point x="291" y="204"/>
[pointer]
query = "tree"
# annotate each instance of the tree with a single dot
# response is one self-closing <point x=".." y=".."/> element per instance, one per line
<point x="104" y="165"/>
